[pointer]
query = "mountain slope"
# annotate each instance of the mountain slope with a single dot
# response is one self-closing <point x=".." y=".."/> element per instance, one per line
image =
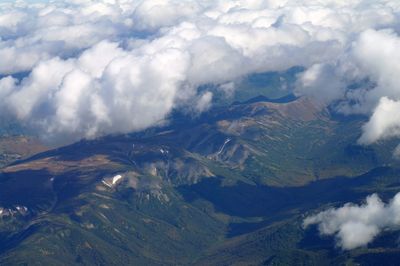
<point x="230" y="187"/>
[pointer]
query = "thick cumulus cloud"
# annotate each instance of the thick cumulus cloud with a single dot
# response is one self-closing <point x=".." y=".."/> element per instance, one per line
<point x="357" y="225"/>
<point x="97" y="67"/>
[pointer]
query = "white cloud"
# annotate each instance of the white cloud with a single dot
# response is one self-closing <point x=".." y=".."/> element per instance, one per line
<point x="321" y="82"/>
<point x="373" y="63"/>
<point x="105" y="90"/>
<point x="155" y="14"/>
<point x="375" y="55"/>
<point x="384" y="122"/>
<point x="99" y="67"/>
<point x="357" y="225"/>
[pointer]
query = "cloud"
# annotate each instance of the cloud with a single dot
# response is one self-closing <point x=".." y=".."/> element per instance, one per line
<point x="101" y="67"/>
<point x="105" y="90"/>
<point x="384" y="122"/>
<point x="322" y="82"/>
<point x="152" y="15"/>
<point x="357" y="225"/>
<point x="364" y="79"/>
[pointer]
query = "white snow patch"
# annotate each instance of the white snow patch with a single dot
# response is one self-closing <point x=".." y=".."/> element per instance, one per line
<point x="21" y="209"/>
<point x="105" y="183"/>
<point x="110" y="182"/>
<point x="163" y="151"/>
<point x="223" y="146"/>
<point x="116" y="179"/>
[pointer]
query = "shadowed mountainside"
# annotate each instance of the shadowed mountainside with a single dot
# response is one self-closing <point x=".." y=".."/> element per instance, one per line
<point x="230" y="187"/>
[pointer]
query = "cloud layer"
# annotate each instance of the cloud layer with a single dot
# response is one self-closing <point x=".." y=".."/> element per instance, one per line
<point x="357" y="225"/>
<point x="100" y="67"/>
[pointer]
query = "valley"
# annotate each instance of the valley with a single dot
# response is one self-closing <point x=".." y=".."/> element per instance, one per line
<point x="231" y="187"/>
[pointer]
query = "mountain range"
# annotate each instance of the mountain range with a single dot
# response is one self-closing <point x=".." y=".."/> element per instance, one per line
<point x="228" y="187"/>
